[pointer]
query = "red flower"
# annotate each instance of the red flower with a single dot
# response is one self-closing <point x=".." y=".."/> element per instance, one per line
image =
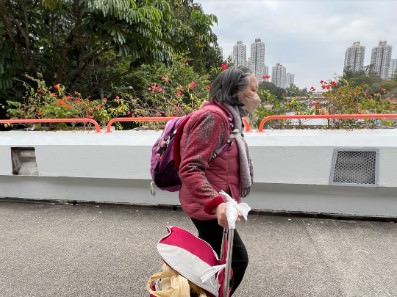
<point x="56" y="87"/>
<point x="224" y="66"/>
<point x="267" y="76"/>
<point x="192" y="85"/>
<point x="312" y="89"/>
<point x="164" y="78"/>
<point x="208" y="87"/>
<point x="60" y="102"/>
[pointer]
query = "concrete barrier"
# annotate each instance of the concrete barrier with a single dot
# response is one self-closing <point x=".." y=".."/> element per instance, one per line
<point x="335" y="172"/>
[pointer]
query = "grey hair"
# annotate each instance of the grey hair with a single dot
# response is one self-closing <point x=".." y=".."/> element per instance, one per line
<point x="228" y="84"/>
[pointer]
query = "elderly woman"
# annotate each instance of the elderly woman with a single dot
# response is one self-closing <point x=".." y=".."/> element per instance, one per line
<point x="215" y="157"/>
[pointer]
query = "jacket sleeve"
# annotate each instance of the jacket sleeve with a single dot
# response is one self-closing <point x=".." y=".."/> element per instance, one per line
<point x="202" y="136"/>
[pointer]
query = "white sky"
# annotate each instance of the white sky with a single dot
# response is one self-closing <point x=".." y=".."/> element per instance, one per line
<point x="308" y="37"/>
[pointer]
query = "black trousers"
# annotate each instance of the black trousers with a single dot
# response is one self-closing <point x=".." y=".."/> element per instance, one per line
<point x="212" y="233"/>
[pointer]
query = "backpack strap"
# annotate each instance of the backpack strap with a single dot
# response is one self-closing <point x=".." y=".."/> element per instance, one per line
<point x="177" y="141"/>
<point x="231" y="126"/>
<point x="178" y="134"/>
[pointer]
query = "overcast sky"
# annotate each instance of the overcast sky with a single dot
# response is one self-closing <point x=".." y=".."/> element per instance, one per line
<point x="308" y="37"/>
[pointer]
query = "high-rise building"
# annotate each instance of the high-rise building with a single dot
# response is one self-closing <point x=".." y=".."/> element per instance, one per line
<point x="249" y="63"/>
<point x="266" y="72"/>
<point x="380" y="59"/>
<point x="354" y="57"/>
<point x="393" y="69"/>
<point x="258" y="58"/>
<point x="279" y="75"/>
<point x="289" y="79"/>
<point x="239" y="57"/>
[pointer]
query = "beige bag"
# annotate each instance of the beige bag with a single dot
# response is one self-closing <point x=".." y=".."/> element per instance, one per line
<point x="169" y="283"/>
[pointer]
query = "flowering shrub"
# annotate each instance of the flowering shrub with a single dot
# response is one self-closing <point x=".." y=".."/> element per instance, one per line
<point x="172" y="91"/>
<point x="178" y="90"/>
<point x="45" y="102"/>
<point x="339" y="98"/>
<point x="169" y="91"/>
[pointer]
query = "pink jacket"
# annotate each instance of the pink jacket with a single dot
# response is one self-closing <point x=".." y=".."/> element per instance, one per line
<point x="202" y="179"/>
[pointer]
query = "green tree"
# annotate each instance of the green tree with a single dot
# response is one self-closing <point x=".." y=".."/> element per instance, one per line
<point x="194" y="35"/>
<point x="273" y="89"/>
<point x="93" y="45"/>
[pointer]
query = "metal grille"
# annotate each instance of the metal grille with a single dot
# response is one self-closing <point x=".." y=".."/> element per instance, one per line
<point x="355" y="167"/>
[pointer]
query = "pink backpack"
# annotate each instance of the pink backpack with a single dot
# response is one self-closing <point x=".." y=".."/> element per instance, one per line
<point x="165" y="159"/>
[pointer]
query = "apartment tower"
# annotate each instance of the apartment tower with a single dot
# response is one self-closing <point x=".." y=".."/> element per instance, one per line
<point x="258" y="58"/>
<point x="239" y="57"/>
<point x="354" y="57"/>
<point x="279" y="75"/>
<point x="290" y="78"/>
<point x="393" y="69"/>
<point x="380" y="59"/>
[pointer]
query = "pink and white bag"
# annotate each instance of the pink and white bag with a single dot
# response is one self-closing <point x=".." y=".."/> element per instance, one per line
<point x="195" y="260"/>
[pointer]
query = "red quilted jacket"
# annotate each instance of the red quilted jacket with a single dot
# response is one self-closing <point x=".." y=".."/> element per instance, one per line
<point x="202" y="179"/>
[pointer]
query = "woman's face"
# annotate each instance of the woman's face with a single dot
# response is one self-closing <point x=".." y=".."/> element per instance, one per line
<point x="249" y="96"/>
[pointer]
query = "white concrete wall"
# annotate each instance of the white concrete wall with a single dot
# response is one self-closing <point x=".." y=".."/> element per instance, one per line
<point x="292" y="169"/>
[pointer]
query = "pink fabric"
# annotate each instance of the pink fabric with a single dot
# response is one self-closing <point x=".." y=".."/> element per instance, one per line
<point x="202" y="179"/>
<point x="181" y="238"/>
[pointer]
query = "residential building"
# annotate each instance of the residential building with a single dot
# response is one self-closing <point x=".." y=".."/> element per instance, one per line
<point x="380" y="59"/>
<point x="279" y="75"/>
<point x="239" y="57"/>
<point x="354" y="57"/>
<point x="258" y="58"/>
<point x="249" y="63"/>
<point x="266" y="72"/>
<point x="289" y="79"/>
<point x="393" y="69"/>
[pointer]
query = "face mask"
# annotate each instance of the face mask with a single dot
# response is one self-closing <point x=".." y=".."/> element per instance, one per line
<point x="250" y="102"/>
<point x="249" y="97"/>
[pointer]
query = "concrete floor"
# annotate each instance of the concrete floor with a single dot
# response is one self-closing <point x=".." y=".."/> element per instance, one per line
<point x="110" y="250"/>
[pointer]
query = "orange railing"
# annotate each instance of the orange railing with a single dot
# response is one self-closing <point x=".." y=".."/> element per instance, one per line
<point x="164" y="119"/>
<point x="66" y="120"/>
<point x="327" y="116"/>
<point x="156" y="119"/>
<point x="137" y="119"/>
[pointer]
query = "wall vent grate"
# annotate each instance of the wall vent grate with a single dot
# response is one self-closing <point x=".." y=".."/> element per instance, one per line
<point x="23" y="161"/>
<point x="355" y="167"/>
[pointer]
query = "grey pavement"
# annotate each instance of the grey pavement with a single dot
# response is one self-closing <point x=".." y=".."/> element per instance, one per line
<point x="110" y="250"/>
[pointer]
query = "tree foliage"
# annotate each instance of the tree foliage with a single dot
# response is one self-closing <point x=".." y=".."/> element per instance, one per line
<point x="94" y="45"/>
<point x="373" y="82"/>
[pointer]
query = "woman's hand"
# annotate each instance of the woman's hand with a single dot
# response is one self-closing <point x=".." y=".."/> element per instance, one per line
<point x="221" y="215"/>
